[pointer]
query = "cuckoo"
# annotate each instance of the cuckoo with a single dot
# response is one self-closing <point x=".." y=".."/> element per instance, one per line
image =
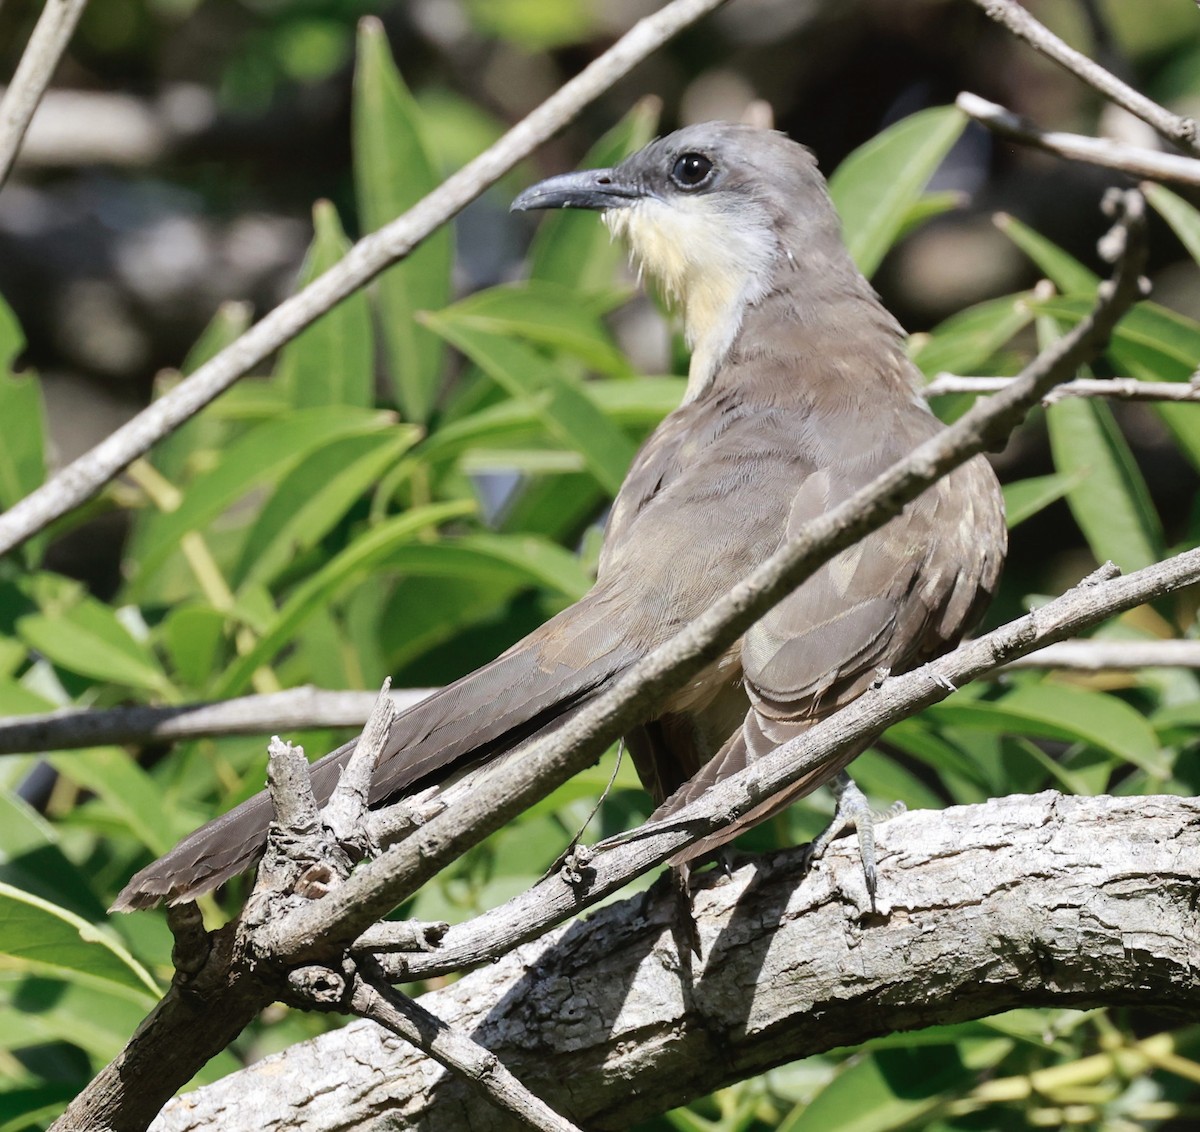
<point x="799" y="393"/>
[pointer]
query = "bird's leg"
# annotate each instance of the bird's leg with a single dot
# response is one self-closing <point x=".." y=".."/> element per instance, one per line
<point x="853" y="811"/>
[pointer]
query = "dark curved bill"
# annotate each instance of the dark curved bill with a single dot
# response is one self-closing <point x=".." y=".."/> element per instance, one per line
<point x="591" y="188"/>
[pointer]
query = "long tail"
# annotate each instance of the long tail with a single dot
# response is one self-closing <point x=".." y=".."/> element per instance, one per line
<point x="492" y="710"/>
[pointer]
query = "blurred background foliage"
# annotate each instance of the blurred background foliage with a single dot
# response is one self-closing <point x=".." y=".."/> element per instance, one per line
<point x="418" y="479"/>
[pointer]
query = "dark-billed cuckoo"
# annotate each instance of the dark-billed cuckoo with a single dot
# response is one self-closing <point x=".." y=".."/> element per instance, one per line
<point x="799" y="393"/>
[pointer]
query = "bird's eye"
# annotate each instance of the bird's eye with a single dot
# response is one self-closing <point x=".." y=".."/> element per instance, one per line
<point x="691" y="170"/>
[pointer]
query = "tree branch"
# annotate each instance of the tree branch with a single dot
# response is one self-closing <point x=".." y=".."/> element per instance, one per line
<point x="1088" y="904"/>
<point x="372" y="254"/>
<point x="1118" y="388"/>
<point x="613" y="863"/>
<point x="294" y="710"/>
<point x="49" y="40"/>
<point x="1013" y="16"/>
<point x="1131" y="159"/>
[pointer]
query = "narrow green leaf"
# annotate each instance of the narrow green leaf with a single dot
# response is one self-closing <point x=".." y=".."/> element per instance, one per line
<point x="1110" y="501"/>
<point x="1183" y="217"/>
<point x="333" y="361"/>
<point x="1060" y="711"/>
<point x="89" y="639"/>
<point x="31" y="860"/>
<point x="548" y="314"/>
<point x="22" y="454"/>
<point x="40" y="938"/>
<point x="366" y="552"/>
<point x="314" y="496"/>
<point x="127" y="791"/>
<point x="1025" y="498"/>
<point x="392" y="171"/>
<point x="875" y="188"/>
<point x="192" y="636"/>
<point x="572" y="247"/>
<point x="1061" y="268"/>
<point x="569" y="413"/>
<point x="965" y="342"/>
<point x="265" y="453"/>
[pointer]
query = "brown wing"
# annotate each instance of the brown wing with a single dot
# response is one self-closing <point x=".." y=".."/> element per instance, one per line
<point x="898" y="598"/>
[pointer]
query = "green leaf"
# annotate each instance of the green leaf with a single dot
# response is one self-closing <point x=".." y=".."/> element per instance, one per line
<point x="40" y="938"/>
<point x="965" y="342"/>
<point x="88" y="638"/>
<point x="875" y="188"/>
<point x="1062" y="269"/>
<point x="264" y="453"/>
<point x="1059" y="711"/>
<point x="314" y="496"/>
<point x="22" y="455"/>
<point x="333" y="361"/>
<point x="886" y="1089"/>
<point x="392" y="171"/>
<point x="569" y="413"/>
<point x="1183" y="217"/>
<point x="1025" y="498"/>
<point x="31" y="860"/>
<point x="548" y="314"/>
<point x="127" y="791"/>
<point x="525" y="559"/>
<point x="367" y="551"/>
<point x="192" y="636"/>
<point x="1110" y="502"/>
<point x="572" y="247"/>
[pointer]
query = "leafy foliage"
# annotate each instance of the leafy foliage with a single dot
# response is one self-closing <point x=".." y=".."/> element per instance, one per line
<point x="414" y="509"/>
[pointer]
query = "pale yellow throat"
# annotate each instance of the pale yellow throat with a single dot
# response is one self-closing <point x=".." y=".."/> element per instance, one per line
<point x="710" y="264"/>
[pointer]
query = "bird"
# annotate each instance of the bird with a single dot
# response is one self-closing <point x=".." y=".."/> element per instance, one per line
<point x="799" y="392"/>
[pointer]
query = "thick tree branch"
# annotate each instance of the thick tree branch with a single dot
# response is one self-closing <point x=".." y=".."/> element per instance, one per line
<point x="1024" y="901"/>
<point x="380" y="885"/>
<point x="1131" y="159"/>
<point x="372" y="254"/>
<point x="49" y="40"/>
<point x="614" y="863"/>
<point x="1173" y="127"/>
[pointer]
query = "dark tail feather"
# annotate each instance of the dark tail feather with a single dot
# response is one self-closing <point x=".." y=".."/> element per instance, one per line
<point x="486" y="713"/>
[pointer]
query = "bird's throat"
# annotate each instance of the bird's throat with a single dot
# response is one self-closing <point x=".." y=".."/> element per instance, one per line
<point x="710" y="266"/>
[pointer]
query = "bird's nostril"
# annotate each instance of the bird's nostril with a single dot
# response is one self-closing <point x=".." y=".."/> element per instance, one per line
<point x="604" y="180"/>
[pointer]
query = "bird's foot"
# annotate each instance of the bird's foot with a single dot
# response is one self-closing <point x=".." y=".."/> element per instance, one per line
<point x="853" y="811"/>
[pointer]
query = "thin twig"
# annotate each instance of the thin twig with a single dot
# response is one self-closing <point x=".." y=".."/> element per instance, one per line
<point x="372" y="254"/>
<point x="1173" y="127"/>
<point x="49" y="40"/>
<point x="615" y="862"/>
<point x="346" y="811"/>
<point x="372" y="997"/>
<point x="546" y="763"/>
<point x="1111" y="656"/>
<point x="297" y="709"/>
<point x="1118" y="388"/>
<point x="1131" y="159"/>
<point x="80" y="728"/>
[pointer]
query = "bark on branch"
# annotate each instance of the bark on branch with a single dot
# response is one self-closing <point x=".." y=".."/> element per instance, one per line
<point x="1045" y="900"/>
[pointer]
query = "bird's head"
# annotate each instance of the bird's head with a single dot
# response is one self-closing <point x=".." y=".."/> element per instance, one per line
<point x="714" y="212"/>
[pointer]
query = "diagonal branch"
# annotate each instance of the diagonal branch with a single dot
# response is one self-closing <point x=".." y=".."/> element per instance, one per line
<point x="49" y="40"/>
<point x="372" y="254"/>
<point x="1131" y="159"/>
<point x="1173" y="127"/>
<point x="614" y="863"/>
